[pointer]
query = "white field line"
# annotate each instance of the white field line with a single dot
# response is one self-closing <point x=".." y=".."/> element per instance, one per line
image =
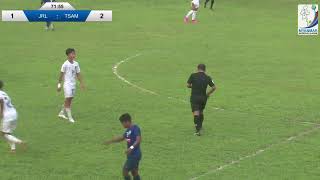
<point x="259" y="151"/>
<point x="310" y="123"/>
<point x="222" y="167"/>
<point x="115" y="71"/>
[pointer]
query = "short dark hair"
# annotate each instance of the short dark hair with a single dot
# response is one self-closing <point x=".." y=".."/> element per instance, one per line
<point x="1" y="84"/>
<point x="125" y="118"/>
<point x="70" y="50"/>
<point x="202" y="67"/>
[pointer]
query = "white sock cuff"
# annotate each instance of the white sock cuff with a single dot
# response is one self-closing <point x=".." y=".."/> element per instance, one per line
<point x="13" y="139"/>
<point x="12" y="146"/>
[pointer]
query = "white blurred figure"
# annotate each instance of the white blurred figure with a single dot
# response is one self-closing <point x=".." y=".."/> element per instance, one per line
<point x="195" y="4"/>
<point x="9" y="117"/>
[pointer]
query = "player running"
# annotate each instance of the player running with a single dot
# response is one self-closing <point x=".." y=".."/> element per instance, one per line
<point x="49" y="25"/>
<point x="9" y="117"/>
<point x="70" y="71"/>
<point x="195" y="4"/>
<point x="211" y="6"/>
<point x="199" y="82"/>
<point x="133" y="137"/>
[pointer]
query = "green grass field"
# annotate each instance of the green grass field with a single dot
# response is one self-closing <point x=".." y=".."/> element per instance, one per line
<point x="267" y="78"/>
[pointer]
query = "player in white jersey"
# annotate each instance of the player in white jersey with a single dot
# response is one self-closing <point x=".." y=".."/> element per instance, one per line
<point x="195" y="4"/>
<point x="9" y="117"/>
<point x="70" y="72"/>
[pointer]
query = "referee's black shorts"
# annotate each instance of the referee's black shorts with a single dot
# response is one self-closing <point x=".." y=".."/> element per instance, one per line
<point x="198" y="103"/>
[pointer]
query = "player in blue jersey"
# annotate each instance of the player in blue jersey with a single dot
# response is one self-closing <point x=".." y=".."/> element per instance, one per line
<point x="49" y="24"/>
<point x="133" y="137"/>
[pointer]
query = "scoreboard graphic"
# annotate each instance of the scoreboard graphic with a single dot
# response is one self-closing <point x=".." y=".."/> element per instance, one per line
<point x="57" y="12"/>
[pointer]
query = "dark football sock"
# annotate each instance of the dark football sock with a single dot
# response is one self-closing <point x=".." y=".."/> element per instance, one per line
<point x="201" y="120"/>
<point x="212" y="2"/>
<point x="136" y="177"/>
<point x="205" y="3"/>
<point x="127" y="178"/>
<point x="196" y="121"/>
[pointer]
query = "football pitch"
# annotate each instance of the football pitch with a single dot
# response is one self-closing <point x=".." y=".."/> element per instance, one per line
<point x="261" y="123"/>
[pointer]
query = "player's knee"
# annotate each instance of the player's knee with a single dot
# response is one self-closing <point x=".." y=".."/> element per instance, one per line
<point x="125" y="173"/>
<point x="134" y="173"/>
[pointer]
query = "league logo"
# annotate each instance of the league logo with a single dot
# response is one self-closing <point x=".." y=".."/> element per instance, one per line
<point x="308" y="19"/>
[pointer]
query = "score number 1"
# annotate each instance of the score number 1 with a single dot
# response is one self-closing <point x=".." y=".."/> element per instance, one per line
<point x="13" y="15"/>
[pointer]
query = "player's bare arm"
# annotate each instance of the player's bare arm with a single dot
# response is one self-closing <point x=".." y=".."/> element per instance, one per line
<point x="135" y="144"/>
<point x="115" y="140"/>
<point x="80" y="79"/>
<point x="211" y="90"/>
<point x="60" y="81"/>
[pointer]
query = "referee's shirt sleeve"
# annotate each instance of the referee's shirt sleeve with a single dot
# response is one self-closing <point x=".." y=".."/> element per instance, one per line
<point x="190" y="79"/>
<point x="211" y="82"/>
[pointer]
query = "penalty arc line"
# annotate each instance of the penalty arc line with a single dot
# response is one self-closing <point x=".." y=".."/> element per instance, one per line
<point x="115" y="72"/>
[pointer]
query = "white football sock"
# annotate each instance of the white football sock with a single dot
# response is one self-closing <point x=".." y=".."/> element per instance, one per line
<point x="12" y="139"/>
<point x="68" y="110"/>
<point x="12" y="146"/>
<point x="194" y="15"/>
<point x="62" y="110"/>
<point x="189" y="13"/>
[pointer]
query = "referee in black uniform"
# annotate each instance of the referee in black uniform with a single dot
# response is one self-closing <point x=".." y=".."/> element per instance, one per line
<point x="199" y="82"/>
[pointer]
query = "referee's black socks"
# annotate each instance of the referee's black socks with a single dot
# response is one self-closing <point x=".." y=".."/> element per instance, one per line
<point x="197" y="122"/>
<point x="212" y="2"/>
<point x="206" y="2"/>
<point x="201" y="120"/>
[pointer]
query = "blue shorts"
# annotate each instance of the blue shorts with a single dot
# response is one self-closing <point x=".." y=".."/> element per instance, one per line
<point x="132" y="163"/>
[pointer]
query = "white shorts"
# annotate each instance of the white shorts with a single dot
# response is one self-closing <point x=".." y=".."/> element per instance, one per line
<point x="8" y="126"/>
<point x="69" y="91"/>
<point x="196" y="4"/>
